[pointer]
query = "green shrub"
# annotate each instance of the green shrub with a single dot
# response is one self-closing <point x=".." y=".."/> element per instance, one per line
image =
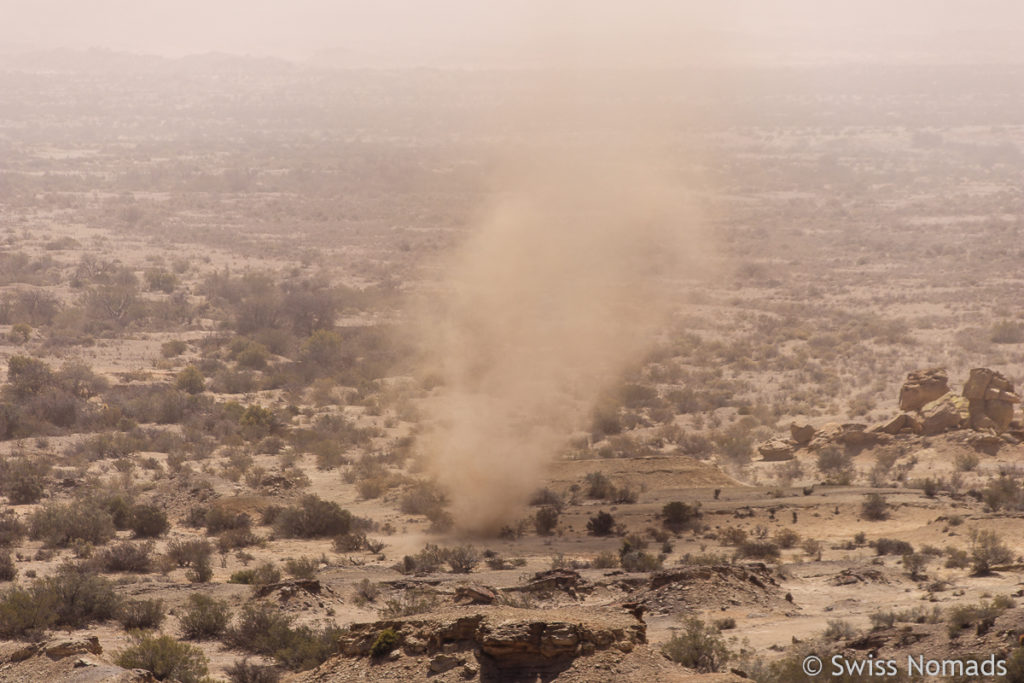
<point x="601" y="524"/>
<point x="59" y="525"/>
<point x="386" y="641"/>
<point x="545" y="497"/>
<point x="191" y="380"/>
<point x="956" y="558"/>
<point x="27" y="377"/>
<point x="1007" y="332"/>
<point x="12" y="531"/>
<point x="201" y="571"/>
<point x="254" y="356"/>
<point x="462" y="559"/>
<point x="265" y="574"/>
<point x="987" y="551"/>
<point x="22" y="480"/>
<point x="262" y="629"/>
<point x="966" y="461"/>
<point x="126" y="557"/>
<point x="172" y="348"/>
<point x="189" y="553"/>
<point x="245" y="577"/>
<point x="837" y="629"/>
<point x="80" y="596"/>
<point x="639" y="561"/>
<point x="204" y="617"/>
<point x="982" y="615"/>
<point x="786" y="538"/>
<point x="165" y="658"/>
<point x="423" y="498"/>
<point x="892" y="546"/>
<point x="835" y="465"/>
<point x="244" y="672"/>
<point x="678" y="516"/>
<point x="545" y="520"/>
<point x="698" y="646"/>
<point x="141" y="614"/>
<point x="259" y="628"/>
<point x="758" y="550"/>
<point x="219" y="518"/>
<point x="365" y="592"/>
<point x="408" y="603"/>
<point x="27" y="612"/>
<point x="8" y="572"/>
<point x="302" y="568"/>
<point x="148" y="521"/>
<point x="313" y="518"/>
<point x="599" y="486"/>
<point x="874" y="507"/>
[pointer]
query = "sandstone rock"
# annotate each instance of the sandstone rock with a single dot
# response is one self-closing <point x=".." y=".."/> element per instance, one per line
<point x="986" y="443"/>
<point x="902" y="423"/>
<point x="828" y="433"/>
<point x="59" y="648"/>
<point x="441" y="663"/>
<point x="942" y="414"/>
<point x="474" y="594"/>
<point x="990" y="397"/>
<point x="513" y="640"/>
<point x="856" y="436"/>
<point x="776" y="449"/>
<point x="802" y="434"/>
<point x="923" y="387"/>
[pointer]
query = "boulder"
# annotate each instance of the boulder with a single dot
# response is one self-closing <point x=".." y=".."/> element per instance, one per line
<point x="776" y="449"/>
<point x="801" y="433"/>
<point x="990" y="398"/>
<point x="828" y="433"/>
<point x="945" y="413"/>
<point x="59" y="648"/>
<point x="923" y="387"/>
<point x="902" y="423"/>
<point x="474" y="594"/>
<point x="518" y="643"/>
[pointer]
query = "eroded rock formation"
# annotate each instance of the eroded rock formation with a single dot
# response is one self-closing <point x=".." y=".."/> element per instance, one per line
<point x="923" y="387"/>
<point x="990" y="399"/>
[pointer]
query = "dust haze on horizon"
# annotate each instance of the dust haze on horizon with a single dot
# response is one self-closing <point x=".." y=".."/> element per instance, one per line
<point x="464" y="33"/>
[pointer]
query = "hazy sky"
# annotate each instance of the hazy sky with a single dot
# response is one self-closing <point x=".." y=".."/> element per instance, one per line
<point x="514" y="31"/>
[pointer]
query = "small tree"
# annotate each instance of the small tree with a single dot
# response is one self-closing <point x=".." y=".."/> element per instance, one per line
<point x="204" y="617"/>
<point x="874" y="507"/>
<point x="678" y="515"/>
<point x="165" y="658"/>
<point x="601" y="524"/>
<point x="462" y="559"/>
<point x="148" y="521"/>
<point x="698" y="646"/>
<point x="987" y="551"/>
<point x="835" y="465"/>
<point x="191" y="380"/>
<point x="915" y="563"/>
<point x="546" y="520"/>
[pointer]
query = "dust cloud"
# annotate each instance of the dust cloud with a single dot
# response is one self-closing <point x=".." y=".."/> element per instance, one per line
<point x="567" y="277"/>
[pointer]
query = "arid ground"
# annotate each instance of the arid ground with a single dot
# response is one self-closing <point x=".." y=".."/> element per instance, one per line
<point x="222" y="418"/>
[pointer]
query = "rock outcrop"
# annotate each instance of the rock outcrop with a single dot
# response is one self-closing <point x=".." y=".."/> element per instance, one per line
<point x="901" y="424"/>
<point x="990" y="399"/>
<point x="801" y="433"/>
<point x="776" y="449"/>
<point x="923" y="387"/>
<point x="501" y="640"/>
<point x="943" y="414"/>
